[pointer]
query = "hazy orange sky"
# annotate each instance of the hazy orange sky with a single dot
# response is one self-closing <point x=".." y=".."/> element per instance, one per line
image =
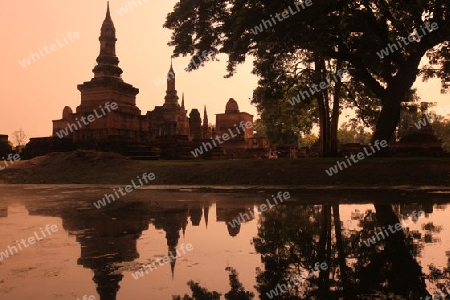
<point x="36" y="94"/>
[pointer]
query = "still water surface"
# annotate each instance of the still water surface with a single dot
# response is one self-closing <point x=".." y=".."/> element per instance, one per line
<point x="97" y="252"/>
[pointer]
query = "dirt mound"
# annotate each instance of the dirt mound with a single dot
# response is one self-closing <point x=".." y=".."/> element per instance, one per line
<point x="60" y="167"/>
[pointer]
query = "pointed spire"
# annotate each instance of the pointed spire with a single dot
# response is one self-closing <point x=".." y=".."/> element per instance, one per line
<point x="205" y="117"/>
<point x="206" y="131"/>
<point x="171" y="97"/>
<point x="182" y="100"/>
<point x="172" y="253"/>
<point x="108" y="28"/>
<point x="108" y="15"/>
<point x="171" y="78"/>
<point x="170" y="74"/>
<point x="184" y="225"/>
<point x="107" y="61"/>
<point x="172" y="267"/>
<point x="171" y="67"/>
<point x="206" y="214"/>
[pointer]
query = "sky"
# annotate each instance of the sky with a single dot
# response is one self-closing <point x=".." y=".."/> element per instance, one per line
<point x="35" y="94"/>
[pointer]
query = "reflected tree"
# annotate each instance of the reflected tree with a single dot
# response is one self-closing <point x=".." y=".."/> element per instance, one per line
<point x="291" y="239"/>
<point x="288" y="242"/>
<point x="237" y="291"/>
<point x="391" y="269"/>
<point x="198" y="293"/>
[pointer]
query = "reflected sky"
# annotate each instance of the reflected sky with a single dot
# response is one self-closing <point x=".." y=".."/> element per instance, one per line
<point x="96" y="251"/>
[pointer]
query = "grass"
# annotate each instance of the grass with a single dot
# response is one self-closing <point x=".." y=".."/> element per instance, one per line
<point x="108" y="168"/>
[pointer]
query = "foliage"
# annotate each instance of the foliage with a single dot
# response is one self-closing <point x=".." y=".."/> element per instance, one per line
<point x="296" y="76"/>
<point x="308" y="140"/>
<point x="198" y="293"/>
<point x="287" y="243"/>
<point x="442" y="130"/>
<point x="349" y="32"/>
<point x="349" y="133"/>
<point x="282" y="122"/>
<point x="276" y="132"/>
<point x="237" y="291"/>
<point x="414" y="112"/>
<point x="259" y="129"/>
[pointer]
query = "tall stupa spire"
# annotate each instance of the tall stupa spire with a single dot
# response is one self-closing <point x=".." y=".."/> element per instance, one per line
<point x="206" y="214"/>
<point x="173" y="261"/>
<point x="108" y="15"/>
<point x="171" y="93"/>
<point x="205" y="117"/>
<point x="171" y="78"/>
<point x="206" y="131"/>
<point x="107" y="61"/>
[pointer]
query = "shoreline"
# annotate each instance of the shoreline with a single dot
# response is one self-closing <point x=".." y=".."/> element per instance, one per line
<point x="237" y="194"/>
<point x="102" y="168"/>
<point x="240" y="188"/>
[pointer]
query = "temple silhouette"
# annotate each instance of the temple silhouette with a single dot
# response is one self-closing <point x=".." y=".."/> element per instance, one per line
<point x="108" y="118"/>
<point x="108" y="238"/>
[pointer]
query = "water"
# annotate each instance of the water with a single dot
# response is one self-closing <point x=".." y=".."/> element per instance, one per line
<point x="90" y="252"/>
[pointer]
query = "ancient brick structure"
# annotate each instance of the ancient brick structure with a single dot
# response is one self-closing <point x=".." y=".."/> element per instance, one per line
<point x="107" y="87"/>
<point x="418" y="142"/>
<point x="195" y="124"/>
<point x="206" y="130"/>
<point x="243" y="145"/>
<point x="5" y="148"/>
<point x="231" y="119"/>
<point x="43" y="145"/>
<point x="108" y="118"/>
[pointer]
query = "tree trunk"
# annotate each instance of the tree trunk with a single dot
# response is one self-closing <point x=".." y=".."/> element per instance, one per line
<point x="335" y="112"/>
<point x="319" y="66"/>
<point x="324" y="252"/>
<point x="388" y="120"/>
<point x="395" y="94"/>
<point x="404" y="271"/>
<point x="341" y="255"/>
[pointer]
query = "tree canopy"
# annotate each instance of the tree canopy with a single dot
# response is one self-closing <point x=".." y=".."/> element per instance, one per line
<point x="380" y="43"/>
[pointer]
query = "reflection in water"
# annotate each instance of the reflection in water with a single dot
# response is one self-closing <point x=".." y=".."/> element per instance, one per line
<point x="293" y="238"/>
<point x="237" y="291"/>
<point x="393" y="269"/>
<point x="3" y="211"/>
<point x="228" y="214"/>
<point x="290" y="240"/>
<point x="287" y="243"/>
<point x="108" y="236"/>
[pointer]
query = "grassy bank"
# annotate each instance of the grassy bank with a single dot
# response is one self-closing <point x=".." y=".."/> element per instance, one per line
<point x="103" y="168"/>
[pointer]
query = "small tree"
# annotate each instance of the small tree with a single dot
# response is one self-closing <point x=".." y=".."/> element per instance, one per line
<point x="353" y="133"/>
<point x="308" y="140"/>
<point x="19" y="137"/>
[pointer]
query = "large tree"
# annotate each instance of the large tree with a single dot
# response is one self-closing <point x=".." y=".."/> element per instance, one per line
<point x="352" y="32"/>
<point x="286" y="83"/>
